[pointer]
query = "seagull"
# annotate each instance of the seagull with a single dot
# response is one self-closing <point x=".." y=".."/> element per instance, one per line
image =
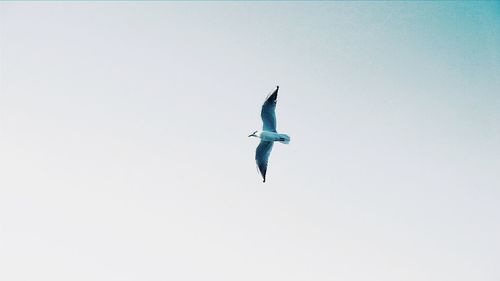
<point x="268" y="135"/>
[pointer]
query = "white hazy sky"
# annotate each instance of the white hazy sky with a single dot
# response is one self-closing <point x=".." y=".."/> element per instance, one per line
<point x="124" y="152"/>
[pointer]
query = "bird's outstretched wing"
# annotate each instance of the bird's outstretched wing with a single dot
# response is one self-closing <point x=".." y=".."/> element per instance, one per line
<point x="262" y="156"/>
<point x="267" y="114"/>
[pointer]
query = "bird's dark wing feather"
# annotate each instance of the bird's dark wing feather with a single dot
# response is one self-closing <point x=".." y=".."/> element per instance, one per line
<point x="268" y="114"/>
<point x="262" y="156"/>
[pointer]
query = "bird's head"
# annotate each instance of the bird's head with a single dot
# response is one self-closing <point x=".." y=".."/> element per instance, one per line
<point x="254" y="134"/>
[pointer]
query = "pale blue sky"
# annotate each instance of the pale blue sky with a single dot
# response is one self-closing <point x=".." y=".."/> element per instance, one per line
<point x="125" y="156"/>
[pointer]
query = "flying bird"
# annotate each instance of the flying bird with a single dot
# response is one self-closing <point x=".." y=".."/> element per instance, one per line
<point x="268" y="135"/>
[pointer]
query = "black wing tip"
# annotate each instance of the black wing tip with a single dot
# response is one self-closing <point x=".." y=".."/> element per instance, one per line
<point x="274" y="96"/>
<point x="263" y="174"/>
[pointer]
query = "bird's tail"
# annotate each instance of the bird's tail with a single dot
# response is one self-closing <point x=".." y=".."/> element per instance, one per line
<point x="284" y="139"/>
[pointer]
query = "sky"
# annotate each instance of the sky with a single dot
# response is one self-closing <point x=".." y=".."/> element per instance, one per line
<point x="124" y="152"/>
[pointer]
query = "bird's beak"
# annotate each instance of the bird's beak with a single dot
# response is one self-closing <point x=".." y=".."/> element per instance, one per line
<point x="250" y="135"/>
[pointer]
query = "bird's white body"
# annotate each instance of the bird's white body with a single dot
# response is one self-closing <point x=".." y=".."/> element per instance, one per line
<point x="272" y="136"/>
